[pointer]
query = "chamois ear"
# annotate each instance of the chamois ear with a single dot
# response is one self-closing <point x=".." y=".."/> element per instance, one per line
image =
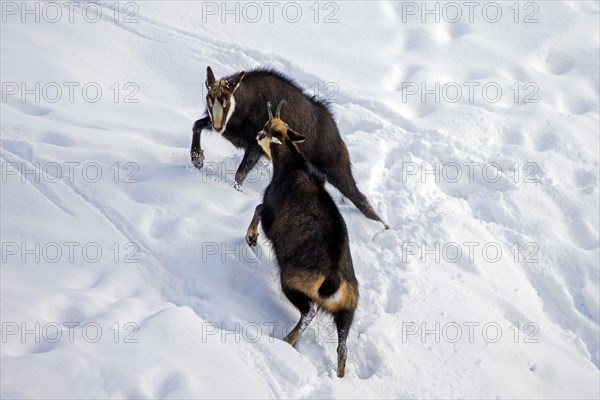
<point x="235" y="81"/>
<point x="295" y="136"/>
<point x="210" y="77"/>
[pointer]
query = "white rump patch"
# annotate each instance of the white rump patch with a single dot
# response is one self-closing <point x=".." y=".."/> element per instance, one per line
<point x="334" y="298"/>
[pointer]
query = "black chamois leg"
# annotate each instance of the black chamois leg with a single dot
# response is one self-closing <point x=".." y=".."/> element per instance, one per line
<point x="252" y="232"/>
<point x="251" y="157"/>
<point x="307" y="313"/>
<point x="345" y="183"/>
<point x="196" y="152"/>
<point x="343" y="320"/>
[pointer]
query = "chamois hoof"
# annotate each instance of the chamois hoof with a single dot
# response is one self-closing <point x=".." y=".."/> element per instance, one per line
<point x="238" y="187"/>
<point x="197" y="158"/>
<point x="252" y="238"/>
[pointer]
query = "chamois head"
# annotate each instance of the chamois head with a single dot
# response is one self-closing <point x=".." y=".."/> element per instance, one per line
<point x="276" y="131"/>
<point x="220" y="101"/>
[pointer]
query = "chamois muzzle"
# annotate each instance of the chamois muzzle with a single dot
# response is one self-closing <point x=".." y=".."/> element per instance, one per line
<point x="218" y="116"/>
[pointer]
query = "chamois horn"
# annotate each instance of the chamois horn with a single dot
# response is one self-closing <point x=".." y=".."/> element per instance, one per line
<point x="278" y="112"/>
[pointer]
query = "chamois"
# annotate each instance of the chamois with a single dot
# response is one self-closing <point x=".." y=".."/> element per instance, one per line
<point x="308" y="234"/>
<point x="235" y="108"/>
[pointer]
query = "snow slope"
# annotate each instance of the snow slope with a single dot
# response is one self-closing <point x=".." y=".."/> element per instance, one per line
<point x="137" y="283"/>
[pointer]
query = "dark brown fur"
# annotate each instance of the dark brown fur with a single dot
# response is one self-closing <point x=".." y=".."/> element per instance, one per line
<point x="309" y="237"/>
<point x="323" y="148"/>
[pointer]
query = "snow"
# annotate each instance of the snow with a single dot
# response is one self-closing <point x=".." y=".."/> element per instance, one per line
<point x="486" y="286"/>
